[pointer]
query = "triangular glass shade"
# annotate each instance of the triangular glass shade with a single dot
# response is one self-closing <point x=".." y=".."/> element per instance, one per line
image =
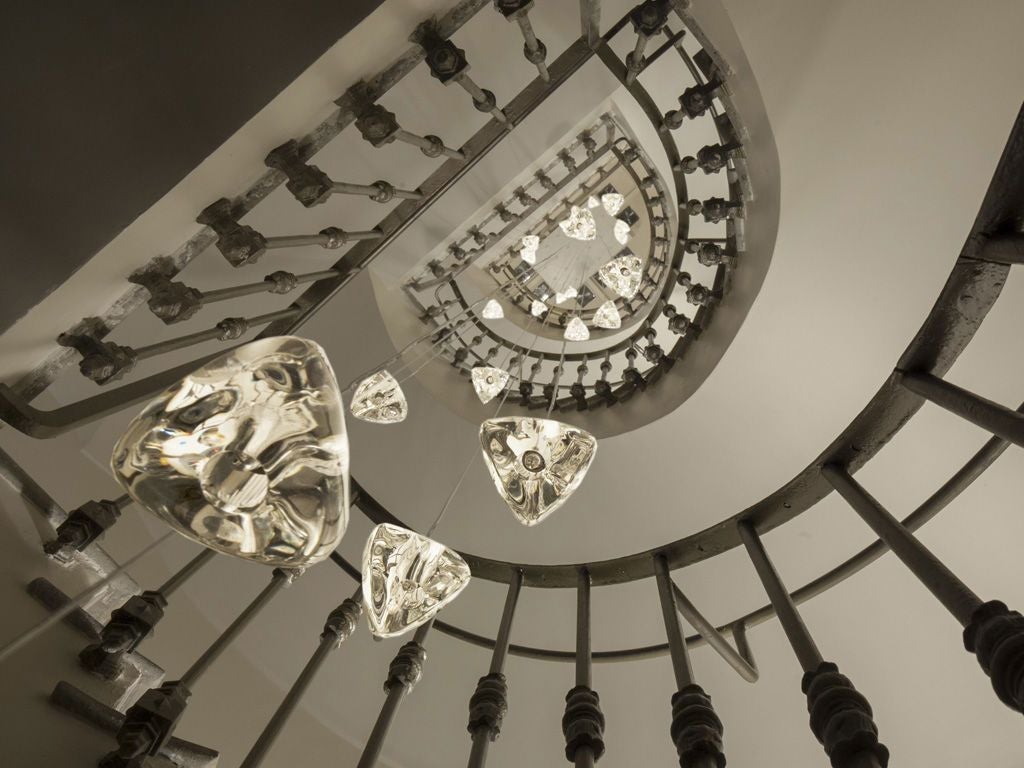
<point x="379" y="399"/>
<point x="538" y="308"/>
<point x="622" y="275"/>
<point x="612" y="202"/>
<point x="492" y="310"/>
<point x="407" y="579"/>
<point x="576" y="330"/>
<point x="621" y="231"/>
<point x="247" y="455"/>
<point x="536" y="464"/>
<point x="593" y="202"/>
<point x="563" y="296"/>
<point x="580" y="224"/>
<point x="488" y="382"/>
<point x="607" y="316"/>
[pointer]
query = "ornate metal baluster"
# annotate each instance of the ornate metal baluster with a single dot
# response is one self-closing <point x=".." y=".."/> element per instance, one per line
<point x="583" y="722"/>
<point x="648" y="19"/>
<point x="489" y="703"/>
<point x="841" y="717"/>
<point x="992" y="632"/>
<point x="151" y="721"/>
<point x="379" y="127"/>
<point x="134" y="621"/>
<point x="533" y="49"/>
<point x="997" y="419"/>
<point x="340" y="624"/>
<point x="405" y="671"/>
<point x="447" y="63"/>
<point x="311" y="186"/>
<point x="696" y="730"/>
<point x="694" y="102"/>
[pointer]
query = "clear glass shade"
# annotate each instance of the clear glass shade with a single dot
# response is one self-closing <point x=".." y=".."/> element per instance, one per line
<point x="379" y="399"/>
<point x="621" y="231"/>
<point x="607" y="316"/>
<point x="247" y="455"/>
<point x="538" y="308"/>
<point x="407" y="579"/>
<point x="492" y="310"/>
<point x="612" y="202"/>
<point x="536" y="464"/>
<point x="622" y="275"/>
<point x="576" y="330"/>
<point x="580" y="225"/>
<point x="488" y="382"/>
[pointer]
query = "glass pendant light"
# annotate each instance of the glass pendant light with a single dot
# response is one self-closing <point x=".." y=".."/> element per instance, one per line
<point x="379" y="400"/>
<point x="622" y="275"/>
<point x="593" y="202"/>
<point x="407" y="579"/>
<point x="563" y="296"/>
<point x="580" y="224"/>
<point x="536" y="464"/>
<point x="528" y="252"/>
<point x="612" y="202"/>
<point x="621" y="231"/>
<point x="607" y="316"/>
<point x="538" y="308"/>
<point x="488" y="382"/>
<point x="492" y="310"/>
<point x="576" y="330"/>
<point x="248" y="455"/>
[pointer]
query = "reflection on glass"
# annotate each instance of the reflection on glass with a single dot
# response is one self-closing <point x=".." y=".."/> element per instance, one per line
<point x="536" y="464"/>
<point x="407" y="579"/>
<point x="379" y="399"/>
<point x="247" y="455"/>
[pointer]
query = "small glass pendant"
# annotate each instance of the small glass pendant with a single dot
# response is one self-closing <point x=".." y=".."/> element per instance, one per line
<point x="593" y="202"/>
<point x="528" y="252"/>
<point x="622" y="275"/>
<point x="407" y="579"/>
<point x="535" y="464"/>
<point x="492" y="310"/>
<point x="563" y="296"/>
<point x="247" y="455"/>
<point x="538" y="308"/>
<point x="580" y="224"/>
<point x="488" y="382"/>
<point x="607" y="316"/>
<point x="621" y="231"/>
<point x="379" y="400"/>
<point x="576" y="330"/>
<point x="612" y="202"/>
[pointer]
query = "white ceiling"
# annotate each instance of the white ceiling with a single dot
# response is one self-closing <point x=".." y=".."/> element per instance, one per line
<point x="889" y="119"/>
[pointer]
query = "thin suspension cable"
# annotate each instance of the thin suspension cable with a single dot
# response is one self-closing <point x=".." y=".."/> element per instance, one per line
<point x="77" y="602"/>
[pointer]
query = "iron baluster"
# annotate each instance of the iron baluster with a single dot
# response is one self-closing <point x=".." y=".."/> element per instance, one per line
<point x="583" y="722"/>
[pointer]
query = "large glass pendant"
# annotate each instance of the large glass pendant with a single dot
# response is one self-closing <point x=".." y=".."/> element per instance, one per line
<point x="607" y="316"/>
<point x="612" y="202"/>
<point x="247" y="455"/>
<point x="580" y="224"/>
<point x="407" y="579"/>
<point x="536" y="464"/>
<point x="576" y="330"/>
<point x="492" y="310"/>
<point x="379" y="399"/>
<point x="488" y="382"/>
<point x="622" y="275"/>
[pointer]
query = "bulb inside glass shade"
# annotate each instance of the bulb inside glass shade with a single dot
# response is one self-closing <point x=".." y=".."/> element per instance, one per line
<point x="612" y="202"/>
<point x="580" y="224"/>
<point x="247" y="455"/>
<point x="379" y="399"/>
<point x="607" y="316"/>
<point x="535" y="464"/>
<point x="407" y="579"/>
<point x="488" y="382"/>
<point x="622" y="275"/>
<point x="492" y="310"/>
<point x="576" y="330"/>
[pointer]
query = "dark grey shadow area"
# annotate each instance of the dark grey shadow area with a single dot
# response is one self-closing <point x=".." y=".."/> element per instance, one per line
<point x="107" y="104"/>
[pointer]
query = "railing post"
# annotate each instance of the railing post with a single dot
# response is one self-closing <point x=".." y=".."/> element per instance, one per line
<point x="992" y="632"/>
<point x="583" y="722"/>
<point x="339" y="626"/>
<point x="841" y="718"/>
<point x="403" y="674"/>
<point x="489" y="703"/>
<point x="998" y="419"/>
<point x="696" y="729"/>
<point x="151" y="721"/>
<point x="134" y="621"/>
